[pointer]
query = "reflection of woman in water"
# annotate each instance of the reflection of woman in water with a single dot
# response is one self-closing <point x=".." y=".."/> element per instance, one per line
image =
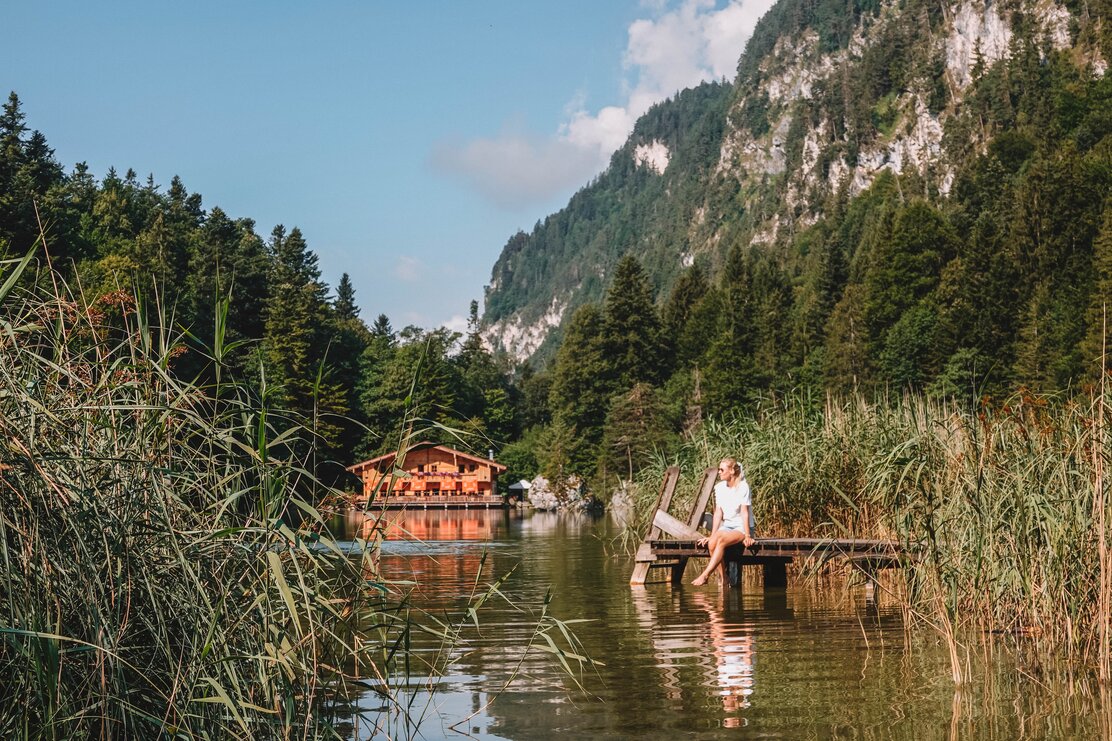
<point x="733" y="518"/>
<point x="733" y="656"/>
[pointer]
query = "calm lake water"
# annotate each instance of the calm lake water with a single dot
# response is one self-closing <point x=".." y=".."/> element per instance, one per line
<point x="811" y="661"/>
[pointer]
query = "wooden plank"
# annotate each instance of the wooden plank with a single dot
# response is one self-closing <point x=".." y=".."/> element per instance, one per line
<point x="644" y="554"/>
<point x="667" y="490"/>
<point x="801" y="547"/>
<point x="709" y="477"/>
<point x="672" y="526"/>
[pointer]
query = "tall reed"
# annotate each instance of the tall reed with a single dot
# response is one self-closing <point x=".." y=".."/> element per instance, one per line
<point x="1004" y="502"/>
<point x="163" y="573"/>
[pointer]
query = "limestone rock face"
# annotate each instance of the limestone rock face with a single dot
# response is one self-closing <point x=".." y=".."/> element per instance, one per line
<point x="812" y="114"/>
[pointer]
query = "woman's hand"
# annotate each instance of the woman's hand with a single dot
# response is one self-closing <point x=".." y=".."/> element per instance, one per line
<point x="748" y="540"/>
<point x="702" y="542"/>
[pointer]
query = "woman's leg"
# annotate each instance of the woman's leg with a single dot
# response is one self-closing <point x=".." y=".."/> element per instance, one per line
<point x="717" y="547"/>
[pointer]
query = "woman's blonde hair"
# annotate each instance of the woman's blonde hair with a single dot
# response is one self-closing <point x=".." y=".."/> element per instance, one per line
<point x="738" y="471"/>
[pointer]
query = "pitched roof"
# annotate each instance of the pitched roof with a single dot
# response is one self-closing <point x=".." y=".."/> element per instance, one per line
<point x="375" y="462"/>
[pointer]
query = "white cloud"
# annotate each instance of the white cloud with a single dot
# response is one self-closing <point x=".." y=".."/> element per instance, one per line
<point x="515" y="169"/>
<point x="458" y="323"/>
<point x="675" y="48"/>
<point x="407" y="268"/>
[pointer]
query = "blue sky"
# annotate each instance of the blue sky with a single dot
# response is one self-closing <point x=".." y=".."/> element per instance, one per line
<point x="407" y="140"/>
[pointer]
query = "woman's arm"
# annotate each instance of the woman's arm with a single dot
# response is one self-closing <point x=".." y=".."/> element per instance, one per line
<point x="747" y="537"/>
<point x="717" y="523"/>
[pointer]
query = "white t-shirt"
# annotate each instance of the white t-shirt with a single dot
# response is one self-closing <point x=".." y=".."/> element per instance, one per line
<point x="731" y="500"/>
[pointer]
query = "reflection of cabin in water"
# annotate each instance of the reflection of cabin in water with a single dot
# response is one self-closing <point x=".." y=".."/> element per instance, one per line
<point x="430" y="475"/>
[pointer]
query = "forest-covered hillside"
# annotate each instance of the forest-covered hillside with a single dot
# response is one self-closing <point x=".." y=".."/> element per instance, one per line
<point x="903" y="196"/>
<point x="917" y="191"/>
<point x="253" y="308"/>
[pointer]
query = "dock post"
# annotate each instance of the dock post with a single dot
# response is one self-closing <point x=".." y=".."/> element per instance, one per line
<point x="869" y="572"/>
<point x="733" y="572"/>
<point x="775" y="574"/>
<point x="732" y="563"/>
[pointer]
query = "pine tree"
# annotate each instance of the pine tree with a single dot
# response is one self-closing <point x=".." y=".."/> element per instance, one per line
<point x="978" y="300"/>
<point x="631" y="328"/>
<point x="1034" y="346"/>
<point x="677" y="314"/>
<point x="28" y="171"/>
<point x="847" y="363"/>
<point x="376" y="358"/>
<point x="533" y="391"/>
<point x="772" y="306"/>
<point x="477" y="370"/>
<point x="581" y="388"/>
<point x="1097" y="347"/>
<point x="905" y="265"/>
<point x="295" y="338"/>
<point x="349" y="341"/>
<point x="417" y="389"/>
<point x="732" y="379"/>
<point x="637" y="426"/>
<point x="344" y="305"/>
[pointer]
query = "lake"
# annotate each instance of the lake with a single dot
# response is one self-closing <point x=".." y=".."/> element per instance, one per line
<point x="814" y="660"/>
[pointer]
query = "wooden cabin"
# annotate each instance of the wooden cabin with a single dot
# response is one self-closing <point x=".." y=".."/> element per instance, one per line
<point x="429" y="475"/>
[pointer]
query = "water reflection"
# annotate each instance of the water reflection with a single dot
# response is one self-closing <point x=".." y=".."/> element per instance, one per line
<point x="732" y="647"/>
<point x="429" y="524"/>
<point x="811" y="661"/>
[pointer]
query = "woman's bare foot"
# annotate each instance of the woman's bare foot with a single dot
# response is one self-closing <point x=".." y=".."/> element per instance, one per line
<point x="699" y="581"/>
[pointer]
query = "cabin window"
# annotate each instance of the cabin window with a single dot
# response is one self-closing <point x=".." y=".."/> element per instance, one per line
<point x="461" y="468"/>
<point x="433" y="468"/>
<point x="474" y="466"/>
<point x="420" y="468"/>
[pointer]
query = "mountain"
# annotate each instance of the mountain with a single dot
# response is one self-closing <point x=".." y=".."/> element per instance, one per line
<point x="853" y="125"/>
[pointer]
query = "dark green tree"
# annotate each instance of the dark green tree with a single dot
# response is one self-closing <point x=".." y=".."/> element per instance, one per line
<point x="905" y="265"/>
<point x="344" y="304"/>
<point x="677" y="314"/>
<point x="631" y="328"/>
<point x="374" y="406"/>
<point x="297" y="342"/>
<point x="732" y="378"/>
<point x="637" y="427"/>
<point x="581" y="390"/>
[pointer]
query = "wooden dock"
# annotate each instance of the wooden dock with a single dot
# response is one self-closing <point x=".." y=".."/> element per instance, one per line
<point x="670" y="542"/>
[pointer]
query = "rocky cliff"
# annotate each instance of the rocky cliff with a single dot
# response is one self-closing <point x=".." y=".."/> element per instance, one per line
<point x="828" y="96"/>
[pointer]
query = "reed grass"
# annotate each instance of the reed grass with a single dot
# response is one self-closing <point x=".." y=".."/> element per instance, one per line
<point x="167" y="569"/>
<point x="1004" y="502"/>
<point x="164" y="573"/>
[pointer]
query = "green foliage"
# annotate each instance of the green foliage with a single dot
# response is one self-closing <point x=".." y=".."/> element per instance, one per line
<point x="631" y="329"/>
<point x="637" y="431"/>
<point x="256" y="300"/>
<point x="520" y="458"/>
<point x="909" y="358"/>
<point x="580" y="394"/>
<point x="164" y="573"/>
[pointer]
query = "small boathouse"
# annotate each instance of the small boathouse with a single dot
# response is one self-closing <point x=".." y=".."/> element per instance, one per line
<point x="429" y="475"/>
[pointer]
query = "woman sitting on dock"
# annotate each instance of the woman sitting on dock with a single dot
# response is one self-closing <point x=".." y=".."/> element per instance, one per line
<point x="733" y="518"/>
